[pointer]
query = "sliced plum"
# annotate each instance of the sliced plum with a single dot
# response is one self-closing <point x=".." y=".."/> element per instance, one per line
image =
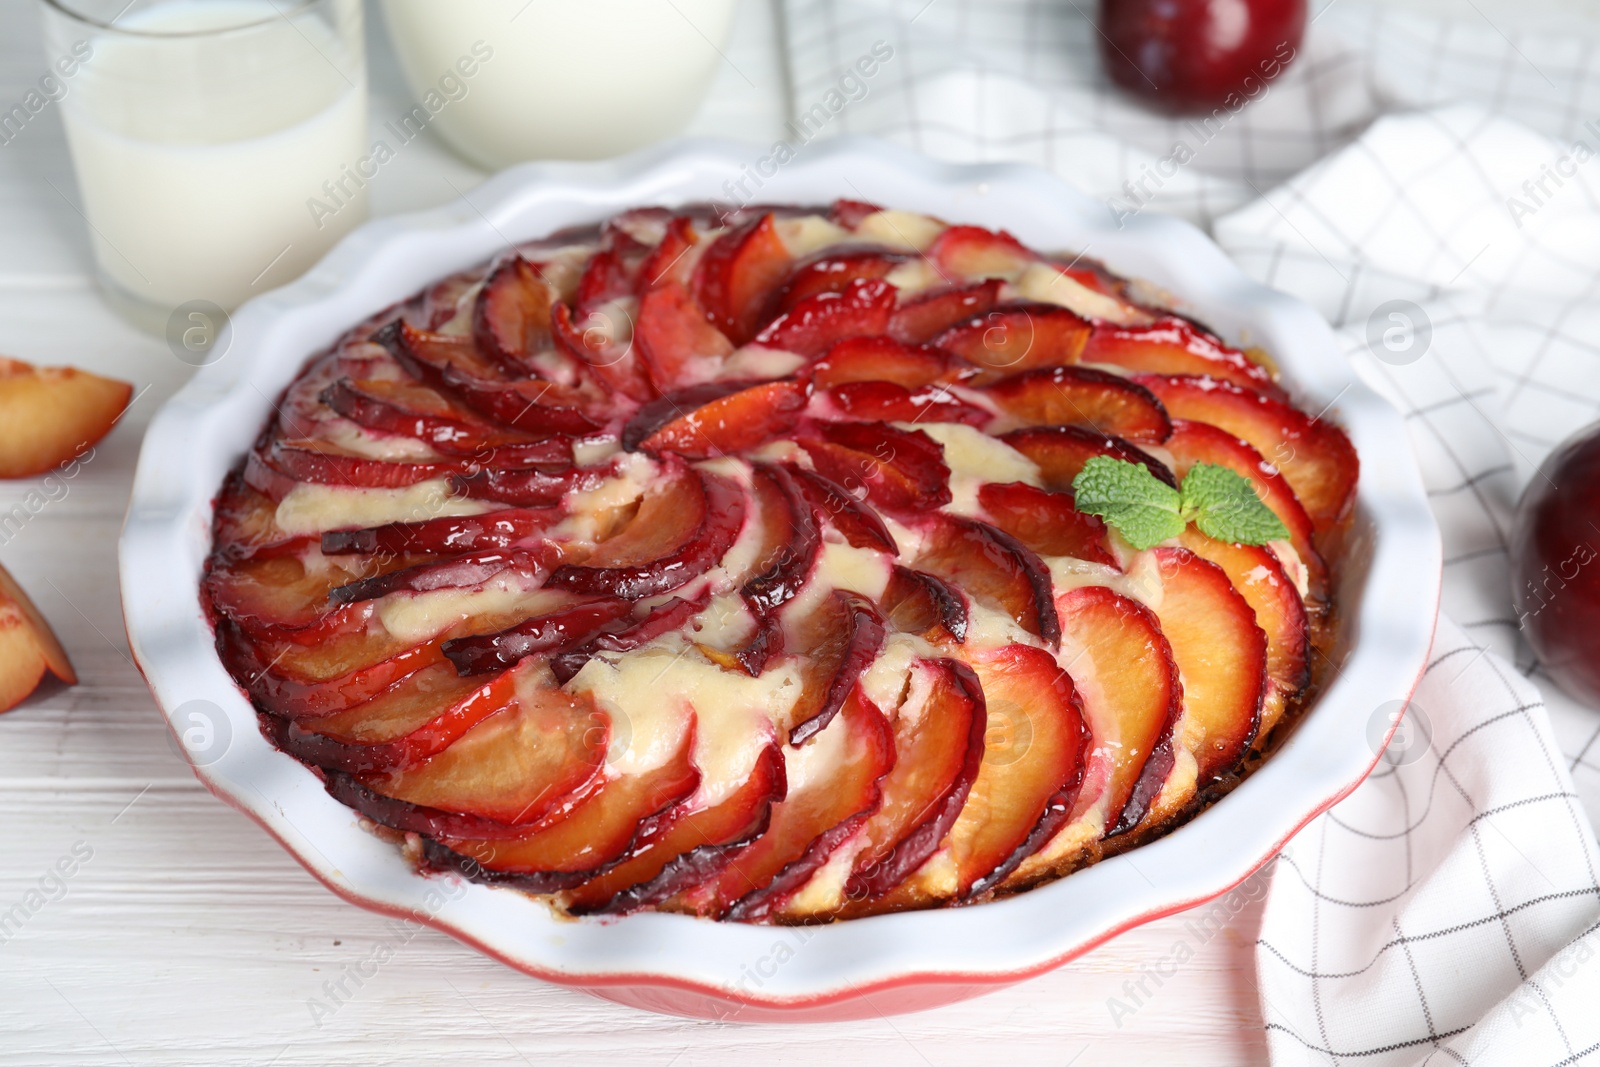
<point x="459" y="572"/>
<point x="601" y="340"/>
<point x="883" y="359"/>
<point x="899" y="470"/>
<point x="285" y="464"/>
<point x="556" y="631"/>
<point x="939" y="743"/>
<point x="1133" y="694"/>
<point x="408" y="409"/>
<point x="1046" y="522"/>
<point x="511" y="318"/>
<point x="850" y="213"/>
<point x="917" y="602"/>
<point x="679" y="345"/>
<point x="1061" y="451"/>
<point x="453" y="365"/>
<point x="279" y="595"/>
<point x="1027" y="784"/>
<point x="417" y="717"/>
<point x="797" y="540"/>
<point x="1177" y="346"/>
<point x="967" y="252"/>
<point x="993" y="567"/>
<point x="528" y="487"/>
<point x="838" y="641"/>
<point x="1200" y="442"/>
<point x="628" y="633"/>
<point x="515" y="766"/>
<point x="1259" y="577"/>
<point x="1221" y="655"/>
<point x="737" y="275"/>
<point x="1080" y="396"/>
<point x="1132" y="697"/>
<point x="1010" y="339"/>
<point x="818" y="322"/>
<point x="833" y="787"/>
<point x="597" y="831"/>
<point x="245" y="524"/>
<point x="682" y="528"/>
<point x="507" y="528"/>
<point x="689" y="844"/>
<point x="717" y="419"/>
<point x="857" y="523"/>
<point x="331" y="690"/>
<point x="924" y="317"/>
<point x="889" y="402"/>
<point x="1314" y="456"/>
<point x="831" y="271"/>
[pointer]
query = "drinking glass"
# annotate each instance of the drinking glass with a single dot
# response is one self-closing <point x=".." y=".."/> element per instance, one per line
<point x="217" y="143"/>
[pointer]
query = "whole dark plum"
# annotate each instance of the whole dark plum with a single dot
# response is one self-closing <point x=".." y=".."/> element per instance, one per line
<point x="1193" y="56"/>
<point x="1555" y="565"/>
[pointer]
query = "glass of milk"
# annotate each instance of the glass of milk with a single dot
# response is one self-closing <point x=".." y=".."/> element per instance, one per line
<point x="508" y="80"/>
<point x="218" y="144"/>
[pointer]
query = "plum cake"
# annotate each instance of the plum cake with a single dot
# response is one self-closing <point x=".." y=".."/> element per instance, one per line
<point x="778" y="565"/>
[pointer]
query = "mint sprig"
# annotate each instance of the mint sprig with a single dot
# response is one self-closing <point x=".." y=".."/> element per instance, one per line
<point x="1146" y="511"/>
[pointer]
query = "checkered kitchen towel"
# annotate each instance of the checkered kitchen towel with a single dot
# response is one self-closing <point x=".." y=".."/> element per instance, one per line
<point x="1430" y="186"/>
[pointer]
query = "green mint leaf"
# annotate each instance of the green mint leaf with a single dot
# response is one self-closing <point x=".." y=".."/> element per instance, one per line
<point x="1142" y="508"/>
<point x="1224" y="505"/>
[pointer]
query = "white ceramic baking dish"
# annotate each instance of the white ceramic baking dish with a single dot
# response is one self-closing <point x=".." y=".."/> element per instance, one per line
<point x="1388" y="595"/>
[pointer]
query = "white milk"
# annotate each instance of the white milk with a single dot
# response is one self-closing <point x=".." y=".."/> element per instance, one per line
<point x="572" y="79"/>
<point x="196" y="156"/>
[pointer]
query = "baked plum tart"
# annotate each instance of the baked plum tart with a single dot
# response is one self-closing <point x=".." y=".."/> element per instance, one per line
<point x="778" y="565"/>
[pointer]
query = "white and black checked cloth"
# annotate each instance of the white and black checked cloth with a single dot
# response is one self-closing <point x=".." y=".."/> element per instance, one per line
<point x="1447" y="911"/>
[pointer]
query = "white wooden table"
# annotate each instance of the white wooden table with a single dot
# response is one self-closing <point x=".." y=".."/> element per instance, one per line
<point x="189" y="937"/>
